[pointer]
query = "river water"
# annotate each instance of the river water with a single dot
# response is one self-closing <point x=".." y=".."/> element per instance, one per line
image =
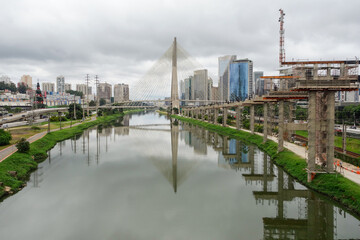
<point x="143" y="178"/>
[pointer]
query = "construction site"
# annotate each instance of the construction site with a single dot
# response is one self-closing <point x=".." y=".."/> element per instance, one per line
<point x="313" y="81"/>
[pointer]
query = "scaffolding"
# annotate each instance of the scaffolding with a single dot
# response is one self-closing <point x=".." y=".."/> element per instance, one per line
<point x="321" y="79"/>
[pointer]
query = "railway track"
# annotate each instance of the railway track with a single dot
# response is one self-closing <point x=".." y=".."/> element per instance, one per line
<point x="337" y="149"/>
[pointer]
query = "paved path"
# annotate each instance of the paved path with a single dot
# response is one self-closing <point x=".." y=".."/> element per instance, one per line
<point x="5" y="153"/>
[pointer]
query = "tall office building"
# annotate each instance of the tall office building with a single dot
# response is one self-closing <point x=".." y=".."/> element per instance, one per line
<point x="104" y="91"/>
<point x="241" y="80"/>
<point x="215" y="93"/>
<point x="67" y="87"/>
<point x="121" y="92"/>
<point x="48" y="87"/>
<point x="224" y="77"/>
<point x="189" y="88"/>
<point x="60" y="84"/>
<point x="82" y="88"/>
<point x="259" y="83"/>
<point x="27" y="79"/>
<point x="201" y="85"/>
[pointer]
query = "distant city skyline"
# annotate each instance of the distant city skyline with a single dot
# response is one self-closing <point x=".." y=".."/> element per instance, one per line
<point x="120" y="41"/>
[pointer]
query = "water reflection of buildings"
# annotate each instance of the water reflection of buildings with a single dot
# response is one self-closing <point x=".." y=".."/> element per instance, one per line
<point x="315" y="217"/>
<point x="194" y="138"/>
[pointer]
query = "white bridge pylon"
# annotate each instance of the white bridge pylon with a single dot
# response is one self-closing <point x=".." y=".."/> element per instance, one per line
<point x="161" y="82"/>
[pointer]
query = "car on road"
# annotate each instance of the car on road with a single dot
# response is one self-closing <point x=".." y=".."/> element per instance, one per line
<point x="352" y="127"/>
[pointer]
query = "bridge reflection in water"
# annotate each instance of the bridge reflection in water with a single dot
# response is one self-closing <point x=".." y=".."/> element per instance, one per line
<point x="315" y="218"/>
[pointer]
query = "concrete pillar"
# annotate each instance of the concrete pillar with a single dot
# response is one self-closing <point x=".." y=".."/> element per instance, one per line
<point x="252" y="118"/>
<point x="281" y="127"/>
<point x="203" y="114"/>
<point x="216" y="114"/>
<point x="312" y="133"/>
<point x="60" y="119"/>
<point x="344" y="138"/>
<point x="224" y="116"/>
<point x="330" y="116"/>
<point x="48" y="123"/>
<point x="291" y="118"/>
<point x="265" y="128"/>
<point x="238" y="117"/>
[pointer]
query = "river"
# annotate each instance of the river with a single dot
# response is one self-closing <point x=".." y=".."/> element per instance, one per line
<point x="143" y="178"/>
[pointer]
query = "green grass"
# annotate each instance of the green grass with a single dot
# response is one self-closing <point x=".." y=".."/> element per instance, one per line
<point x="335" y="186"/>
<point x="352" y="144"/>
<point x="25" y="163"/>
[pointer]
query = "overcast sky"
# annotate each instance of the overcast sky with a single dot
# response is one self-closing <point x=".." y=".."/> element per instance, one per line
<point x="120" y="40"/>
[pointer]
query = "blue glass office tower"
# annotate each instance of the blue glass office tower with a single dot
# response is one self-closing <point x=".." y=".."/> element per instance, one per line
<point x="241" y="80"/>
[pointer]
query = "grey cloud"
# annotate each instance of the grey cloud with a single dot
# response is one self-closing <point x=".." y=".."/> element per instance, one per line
<point x="119" y="39"/>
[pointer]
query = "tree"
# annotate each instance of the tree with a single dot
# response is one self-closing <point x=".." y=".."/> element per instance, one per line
<point x="23" y="146"/>
<point x="92" y="103"/>
<point x="102" y="102"/>
<point x="39" y="101"/>
<point x="22" y="88"/>
<point x="76" y="93"/>
<point x="11" y="87"/>
<point x="5" y="137"/>
<point x="79" y="111"/>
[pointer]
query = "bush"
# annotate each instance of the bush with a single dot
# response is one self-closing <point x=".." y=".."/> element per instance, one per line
<point x="259" y="128"/>
<point x="23" y="146"/>
<point x="35" y="128"/>
<point x="5" y="137"/>
<point x="57" y="119"/>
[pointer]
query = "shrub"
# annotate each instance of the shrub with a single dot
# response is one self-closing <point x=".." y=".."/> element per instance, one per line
<point x="5" y="137"/>
<point x="23" y="146"/>
<point x="35" y="128"/>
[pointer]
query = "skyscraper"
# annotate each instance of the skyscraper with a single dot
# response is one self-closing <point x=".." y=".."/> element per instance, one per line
<point x="104" y="91"/>
<point x="27" y="79"/>
<point x="67" y="86"/>
<point x="48" y="87"/>
<point x="189" y="88"/>
<point x="121" y="92"/>
<point x="241" y="80"/>
<point x="82" y="88"/>
<point x="201" y="85"/>
<point x="60" y="84"/>
<point x="224" y="63"/>
<point x="259" y="83"/>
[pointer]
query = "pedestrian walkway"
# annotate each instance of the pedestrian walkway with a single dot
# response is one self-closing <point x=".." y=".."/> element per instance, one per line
<point x="5" y="153"/>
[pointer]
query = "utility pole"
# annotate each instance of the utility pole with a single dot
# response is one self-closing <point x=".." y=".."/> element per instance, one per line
<point x="97" y="94"/>
<point x="74" y="107"/>
<point x="87" y="80"/>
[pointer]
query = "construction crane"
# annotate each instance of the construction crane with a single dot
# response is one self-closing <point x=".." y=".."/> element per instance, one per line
<point x="282" y="31"/>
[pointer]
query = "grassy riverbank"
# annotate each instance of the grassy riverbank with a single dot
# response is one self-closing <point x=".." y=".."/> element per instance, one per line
<point x="24" y="163"/>
<point x="335" y="186"/>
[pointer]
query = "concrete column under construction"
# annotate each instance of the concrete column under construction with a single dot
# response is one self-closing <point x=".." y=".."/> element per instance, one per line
<point x="203" y="111"/>
<point x="311" y="133"/>
<point x="252" y="118"/>
<point x="216" y="114"/>
<point x="330" y="116"/>
<point x="281" y="126"/>
<point x="224" y="116"/>
<point x="265" y="128"/>
<point x="238" y="117"/>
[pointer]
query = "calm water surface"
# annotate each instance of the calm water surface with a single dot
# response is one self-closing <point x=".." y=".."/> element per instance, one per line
<point x="142" y="178"/>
